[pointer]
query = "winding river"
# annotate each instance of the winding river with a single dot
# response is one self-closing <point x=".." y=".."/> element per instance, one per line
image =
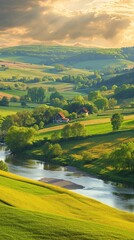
<point x="112" y="194"/>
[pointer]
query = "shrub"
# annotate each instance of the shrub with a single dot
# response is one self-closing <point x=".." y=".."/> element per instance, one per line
<point x="3" y="166"/>
<point x="116" y="121"/>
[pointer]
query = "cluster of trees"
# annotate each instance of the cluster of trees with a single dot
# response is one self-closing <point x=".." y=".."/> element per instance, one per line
<point x="24" y="80"/>
<point x="36" y="95"/>
<point x="4" y="102"/>
<point x="44" y="115"/>
<point x="124" y="91"/>
<point x="52" y="150"/>
<point x="13" y="86"/>
<point x="74" y="105"/>
<point x="101" y="80"/>
<point x="102" y="103"/>
<point x="60" y="67"/>
<point x="123" y="157"/>
<point x="73" y="130"/>
<point x="18" y="138"/>
<point x="37" y="118"/>
<point x="94" y="102"/>
<point x="123" y="77"/>
<point x="82" y="81"/>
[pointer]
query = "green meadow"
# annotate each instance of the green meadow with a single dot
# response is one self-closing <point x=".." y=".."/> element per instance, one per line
<point x="104" y="64"/>
<point x="34" y="210"/>
<point x="94" y="125"/>
<point x="18" y="70"/>
<point x="14" y="108"/>
<point x="99" y="141"/>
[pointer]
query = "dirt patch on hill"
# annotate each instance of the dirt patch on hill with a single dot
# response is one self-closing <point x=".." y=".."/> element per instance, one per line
<point x="5" y="95"/>
<point x="18" y="65"/>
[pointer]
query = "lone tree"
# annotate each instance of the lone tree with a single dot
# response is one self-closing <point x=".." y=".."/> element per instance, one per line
<point x="116" y="121"/>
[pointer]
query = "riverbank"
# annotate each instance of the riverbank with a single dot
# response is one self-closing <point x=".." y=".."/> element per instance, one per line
<point x="96" y="168"/>
<point x="88" y="154"/>
<point x="110" y="193"/>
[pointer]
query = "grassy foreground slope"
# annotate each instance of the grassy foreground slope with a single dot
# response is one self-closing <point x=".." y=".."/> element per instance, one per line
<point x="34" y="210"/>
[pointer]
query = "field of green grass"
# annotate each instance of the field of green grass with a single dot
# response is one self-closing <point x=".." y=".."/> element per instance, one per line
<point x="16" y="107"/>
<point x="19" y="69"/>
<point x="103" y="142"/>
<point x="14" y="92"/>
<point x="33" y="210"/>
<point x="94" y="125"/>
<point x="100" y="140"/>
<point x="104" y="64"/>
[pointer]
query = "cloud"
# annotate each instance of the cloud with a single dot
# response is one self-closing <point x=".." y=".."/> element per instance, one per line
<point x="64" y="21"/>
<point x="16" y="13"/>
<point x="56" y="27"/>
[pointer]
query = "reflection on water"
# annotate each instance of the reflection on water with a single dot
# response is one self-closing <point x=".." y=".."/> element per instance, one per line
<point x="124" y="196"/>
<point x="115" y="195"/>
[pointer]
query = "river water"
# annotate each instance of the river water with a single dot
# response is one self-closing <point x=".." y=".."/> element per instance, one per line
<point x="112" y="194"/>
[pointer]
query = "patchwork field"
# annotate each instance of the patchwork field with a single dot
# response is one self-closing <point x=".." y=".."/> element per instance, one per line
<point x="33" y="210"/>
<point x="12" y="68"/>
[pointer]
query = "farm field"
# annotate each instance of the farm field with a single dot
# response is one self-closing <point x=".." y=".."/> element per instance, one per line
<point x="98" y="125"/>
<point x="99" y="144"/>
<point x="103" y="142"/>
<point x="16" y="107"/>
<point x="55" y="213"/>
<point x="19" y="69"/>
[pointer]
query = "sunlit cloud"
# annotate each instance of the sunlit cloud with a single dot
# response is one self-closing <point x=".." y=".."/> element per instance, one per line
<point x="105" y="23"/>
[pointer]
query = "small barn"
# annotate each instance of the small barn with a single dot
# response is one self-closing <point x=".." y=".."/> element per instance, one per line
<point x="82" y="111"/>
<point x="60" y="118"/>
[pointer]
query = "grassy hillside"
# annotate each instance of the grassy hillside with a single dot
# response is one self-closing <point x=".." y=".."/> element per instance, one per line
<point x="88" y="153"/>
<point x="124" y="78"/>
<point x="19" y="69"/>
<point x="33" y="210"/>
<point x="104" y="64"/>
<point x="79" y="57"/>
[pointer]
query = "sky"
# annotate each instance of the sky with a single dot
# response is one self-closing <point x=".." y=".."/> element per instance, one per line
<point x="89" y="23"/>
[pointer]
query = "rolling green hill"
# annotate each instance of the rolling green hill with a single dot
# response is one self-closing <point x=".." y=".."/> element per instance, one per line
<point x="9" y="69"/>
<point x="126" y="77"/>
<point x="78" y="57"/>
<point x="34" y="210"/>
